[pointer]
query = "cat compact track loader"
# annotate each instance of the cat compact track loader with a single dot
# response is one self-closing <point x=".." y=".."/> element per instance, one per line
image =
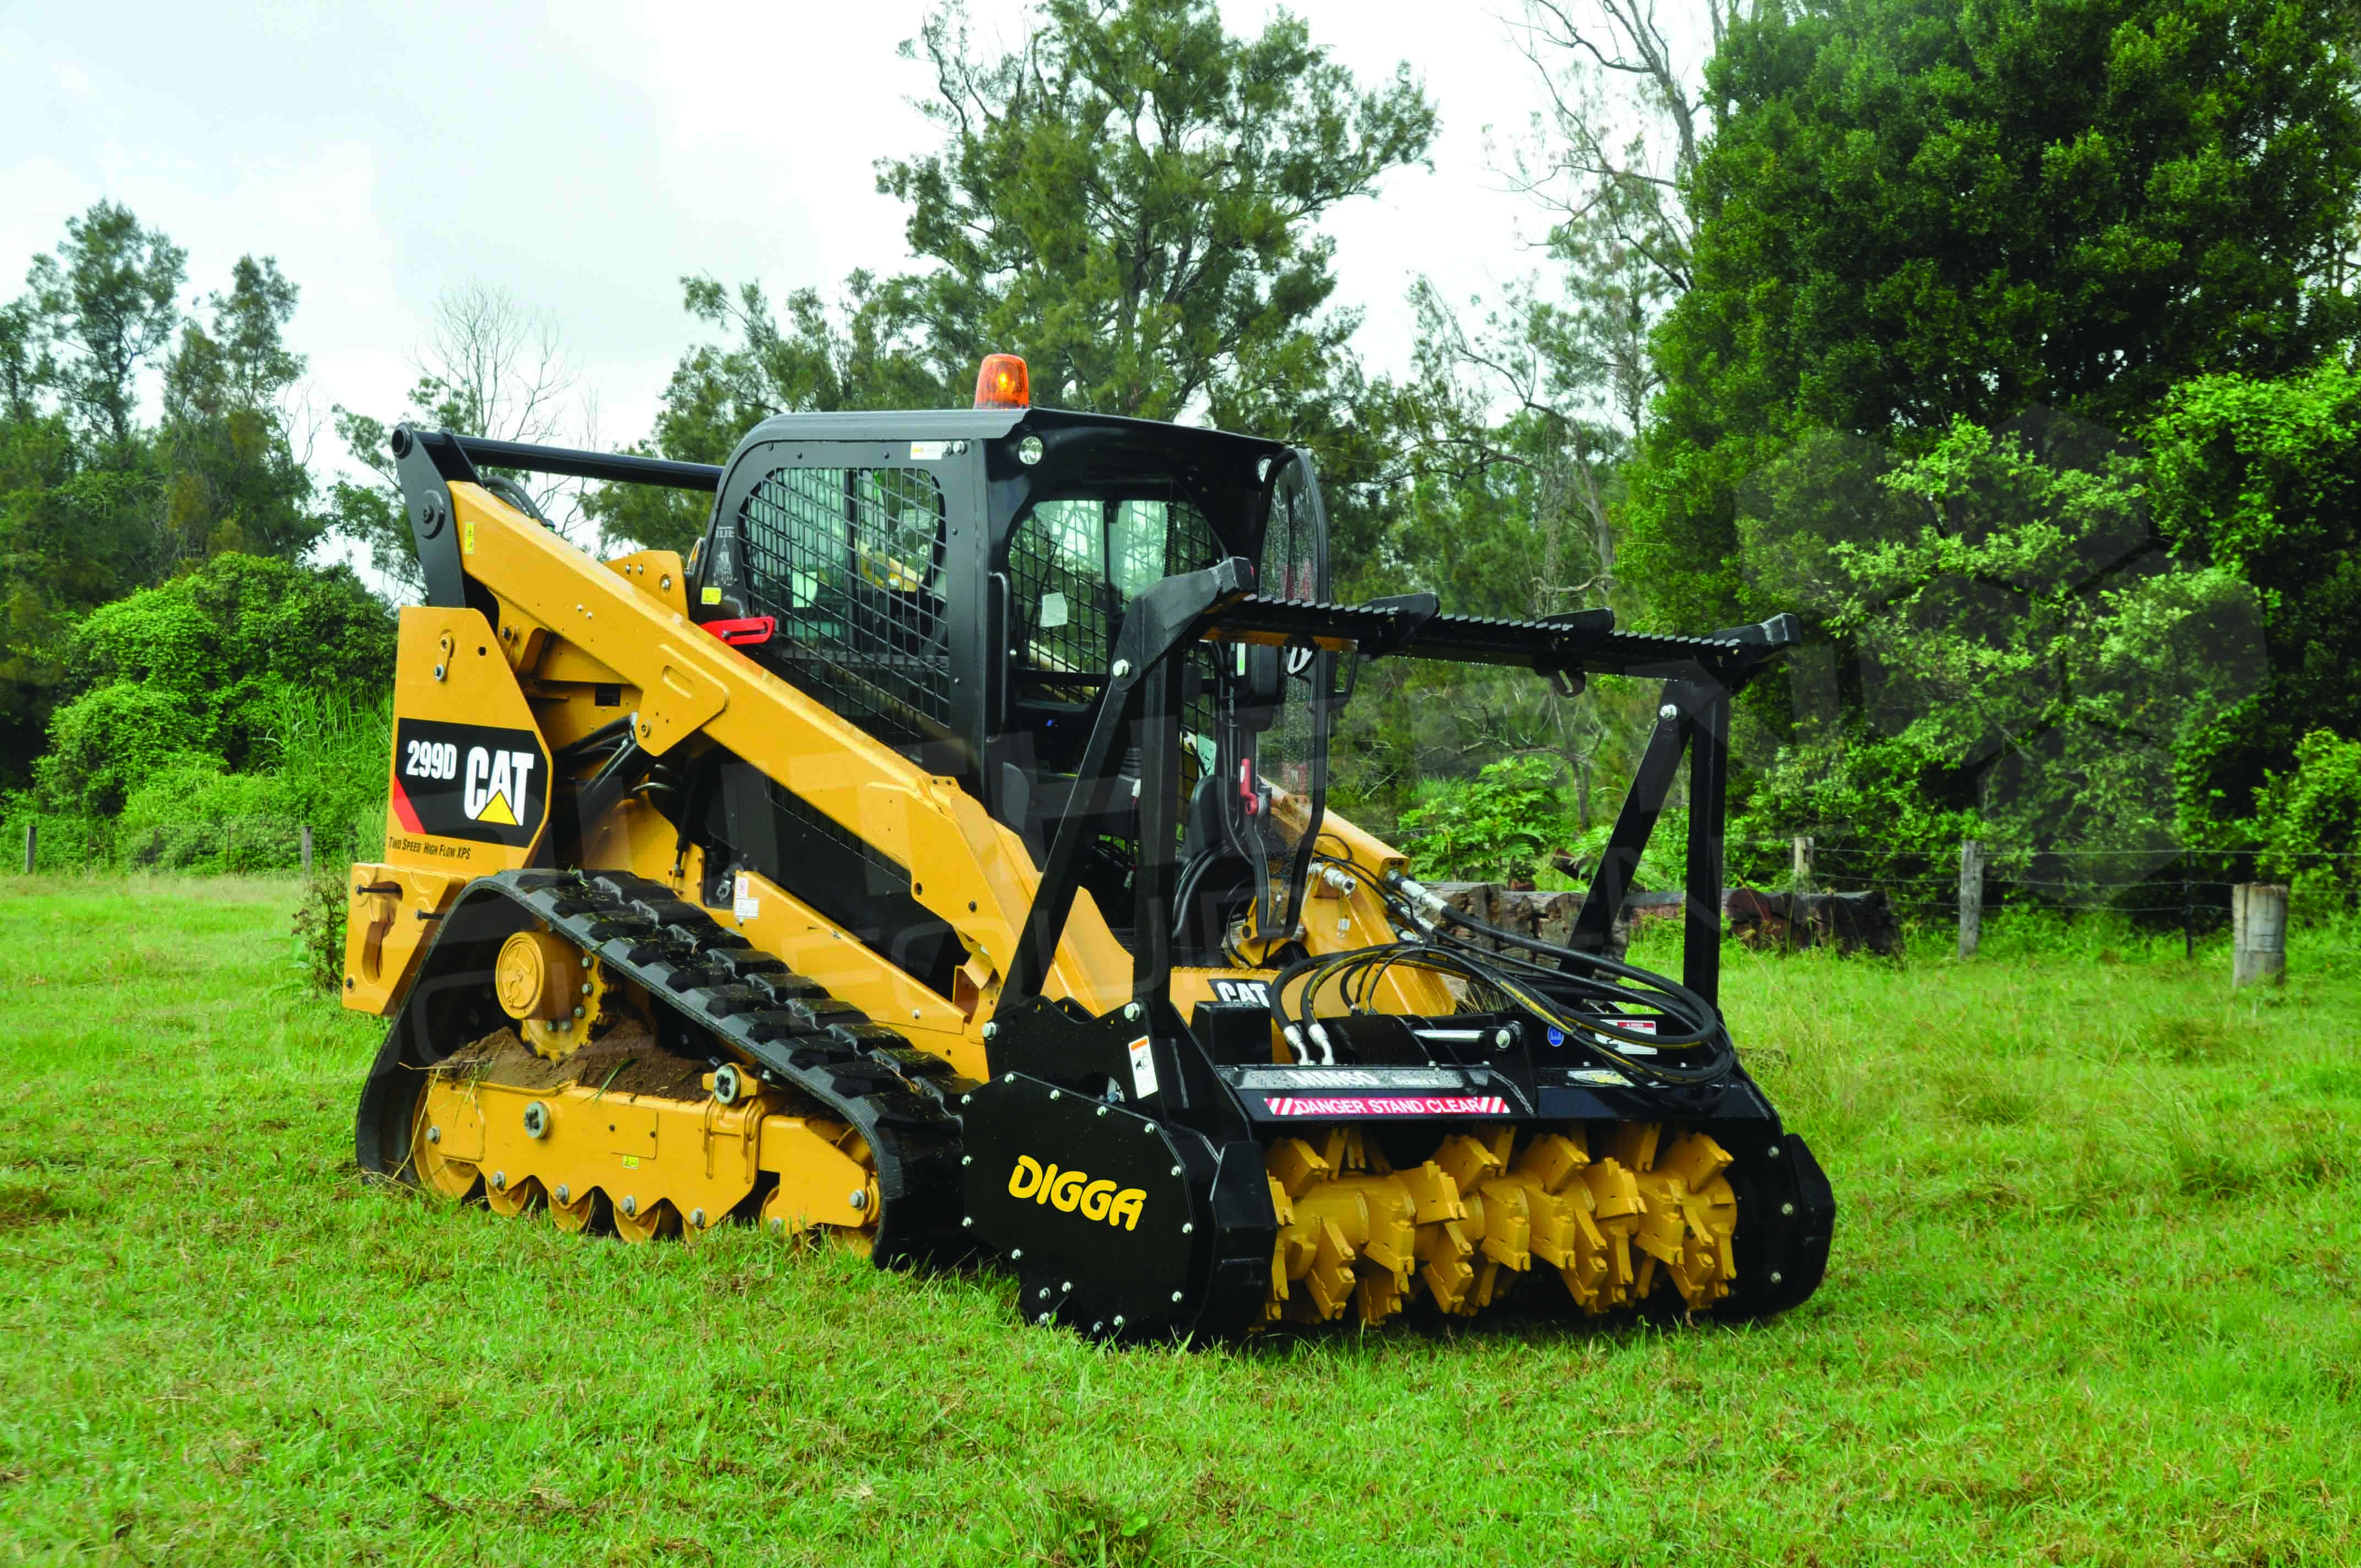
<point x="938" y="859"/>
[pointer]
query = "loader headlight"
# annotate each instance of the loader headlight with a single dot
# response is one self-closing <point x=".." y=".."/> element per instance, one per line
<point x="1029" y="451"/>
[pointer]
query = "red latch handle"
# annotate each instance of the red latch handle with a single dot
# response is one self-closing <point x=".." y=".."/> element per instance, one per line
<point x="746" y="633"/>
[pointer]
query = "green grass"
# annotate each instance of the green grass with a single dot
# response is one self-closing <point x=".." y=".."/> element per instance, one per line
<point x="2095" y="1299"/>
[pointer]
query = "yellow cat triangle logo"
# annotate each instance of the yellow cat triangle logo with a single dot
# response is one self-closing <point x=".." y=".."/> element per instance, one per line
<point x="497" y="811"/>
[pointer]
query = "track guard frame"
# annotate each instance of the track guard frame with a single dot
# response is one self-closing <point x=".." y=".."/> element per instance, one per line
<point x="713" y="982"/>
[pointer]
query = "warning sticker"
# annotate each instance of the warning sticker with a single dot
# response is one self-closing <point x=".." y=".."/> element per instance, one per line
<point x="1372" y="1105"/>
<point x="929" y="451"/>
<point x="1143" y="1068"/>
<point x="745" y="903"/>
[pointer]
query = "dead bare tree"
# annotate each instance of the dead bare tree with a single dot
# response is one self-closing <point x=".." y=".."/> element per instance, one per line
<point x="489" y="365"/>
<point x="494" y="366"/>
<point x="1630" y="112"/>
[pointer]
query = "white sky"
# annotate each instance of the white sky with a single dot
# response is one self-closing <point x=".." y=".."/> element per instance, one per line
<point x="584" y="156"/>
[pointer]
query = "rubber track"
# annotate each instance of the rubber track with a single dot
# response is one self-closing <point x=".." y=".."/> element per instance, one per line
<point x="863" y="1072"/>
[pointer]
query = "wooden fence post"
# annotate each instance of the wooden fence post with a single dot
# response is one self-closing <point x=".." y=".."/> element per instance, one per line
<point x="1971" y="896"/>
<point x="307" y="851"/>
<point x="31" y="831"/>
<point x="1802" y="864"/>
<point x="2259" y="948"/>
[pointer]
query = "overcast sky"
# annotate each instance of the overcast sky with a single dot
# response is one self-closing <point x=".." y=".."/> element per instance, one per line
<point x="585" y="156"/>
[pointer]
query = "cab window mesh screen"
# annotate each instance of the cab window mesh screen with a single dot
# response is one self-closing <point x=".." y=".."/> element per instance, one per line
<point x="851" y="562"/>
<point x="1073" y="564"/>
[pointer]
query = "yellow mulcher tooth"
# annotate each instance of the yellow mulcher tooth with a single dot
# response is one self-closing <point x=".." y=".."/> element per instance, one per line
<point x="1354" y="1231"/>
<point x="1499" y="1214"/>
<point x="1442" y="1247"/>
<point x="1615" y="1210"/>
<point x="1691" y="1206"/>
<point x="1290" y="1254"/>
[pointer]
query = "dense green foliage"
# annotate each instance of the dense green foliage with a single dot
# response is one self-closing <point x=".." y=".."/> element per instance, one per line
<point x="2025" y="651"/>
<point x="1502" y="824"/>
<point x="2091" y="1301"/>
<point x="1920" y="213"/>
<point x="2262" y="480"/>
<point x="1941" y="254"/>
<point x="200" y="671"/>
<point x="94" y="504"/>
<point x="2311" y="816"/>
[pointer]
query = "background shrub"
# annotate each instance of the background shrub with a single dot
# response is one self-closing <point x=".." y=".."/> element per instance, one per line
<point x="226" y="663"/>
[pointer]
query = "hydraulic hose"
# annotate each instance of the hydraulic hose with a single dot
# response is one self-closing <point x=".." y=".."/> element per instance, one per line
<point x="1553" y="994"/>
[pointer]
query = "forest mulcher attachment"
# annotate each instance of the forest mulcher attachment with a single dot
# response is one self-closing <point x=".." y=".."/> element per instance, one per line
<point x="938" y="859"/>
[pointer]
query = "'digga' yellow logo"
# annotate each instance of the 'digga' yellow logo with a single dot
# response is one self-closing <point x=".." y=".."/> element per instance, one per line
<point x="1074" y="1189"/>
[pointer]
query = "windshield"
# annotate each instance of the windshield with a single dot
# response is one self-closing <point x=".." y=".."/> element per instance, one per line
<point x="1075" y="562"/>
<point x="1249" y="720"/>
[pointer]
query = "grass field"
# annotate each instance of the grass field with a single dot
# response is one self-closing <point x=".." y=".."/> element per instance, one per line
<point x="2095" y="1299"/>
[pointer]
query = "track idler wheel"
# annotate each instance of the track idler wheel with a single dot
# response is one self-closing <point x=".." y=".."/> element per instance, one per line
<point x="444" y="1158"/>
<point x="639" y="1222"/>
<point x="576" y="1212"/>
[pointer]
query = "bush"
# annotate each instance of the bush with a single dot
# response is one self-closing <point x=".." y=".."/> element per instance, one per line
<point x="208" y="665"/>
<point x="193" y="817"/>
<point x="1499" y="826"/>
<point x="2311" y="818"/>
<point x="184" y="811"/>
<point x="105" y="742"/>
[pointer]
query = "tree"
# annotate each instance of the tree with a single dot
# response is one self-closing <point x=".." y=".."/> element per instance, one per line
<point x="1618" y="145"/>
<point x="857" y="355"/>
<point x="1515" y="432"/>
<point x="235" y="477"/>
<point x="493" y="367"/>
<point x="24" y="369"/>
<point x="1915" y="212"/>
<point x="108" y="298"/>
<point x="2260" y="479"/>
<point x="78" y="477"/>
<point x="2027" y="658"/>
<point x="1131" y="202"/>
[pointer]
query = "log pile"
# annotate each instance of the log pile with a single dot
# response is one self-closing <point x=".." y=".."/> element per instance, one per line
<point x="1851" y="922"/>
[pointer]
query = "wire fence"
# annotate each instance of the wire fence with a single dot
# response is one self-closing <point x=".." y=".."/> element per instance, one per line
<point x="56" y="842"/>
<point x="2158" y="886"/>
